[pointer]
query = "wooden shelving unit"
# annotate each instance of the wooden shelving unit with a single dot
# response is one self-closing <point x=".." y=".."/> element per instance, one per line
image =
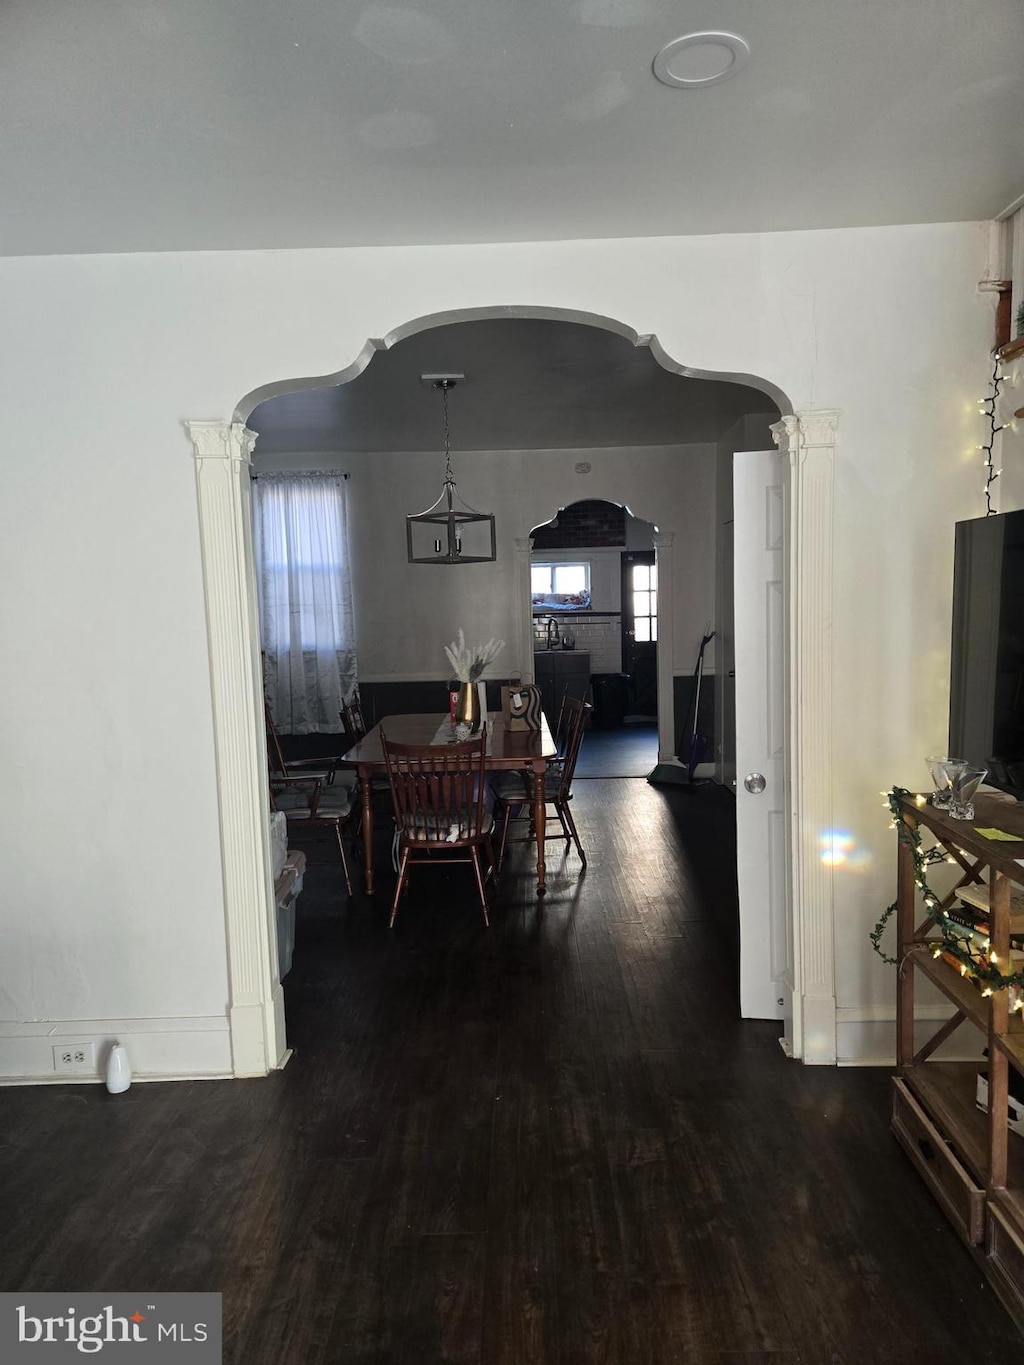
<point x="971" y="1161"/>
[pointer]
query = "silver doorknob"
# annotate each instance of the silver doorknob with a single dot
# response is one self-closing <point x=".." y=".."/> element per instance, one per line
<point x="755" y="783"/>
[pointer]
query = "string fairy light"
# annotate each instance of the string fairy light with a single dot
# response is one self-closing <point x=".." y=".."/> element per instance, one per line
<point x="987" y="409"/>
<point x="986" y="971"/>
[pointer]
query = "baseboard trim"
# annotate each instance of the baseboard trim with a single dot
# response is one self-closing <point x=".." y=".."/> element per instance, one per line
<point x="886" y="1014"/>
<point x="866" y="1036"/>
<point x="195" y="1048"/>
<point x="9" y="1082"/>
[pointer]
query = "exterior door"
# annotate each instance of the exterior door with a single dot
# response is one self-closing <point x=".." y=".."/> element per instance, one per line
<point x="760" y="504"/>
<point x="640" y="632"/>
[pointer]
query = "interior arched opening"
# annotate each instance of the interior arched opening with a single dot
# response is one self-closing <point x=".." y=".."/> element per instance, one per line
<point x="553" y="410"/>
<point x="595" y="614"/>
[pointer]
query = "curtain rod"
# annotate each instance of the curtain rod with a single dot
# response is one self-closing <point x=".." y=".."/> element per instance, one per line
<point x="327" y="473"/>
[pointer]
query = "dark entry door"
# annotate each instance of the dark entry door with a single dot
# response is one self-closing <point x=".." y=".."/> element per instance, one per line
<point x="640" y="632"/>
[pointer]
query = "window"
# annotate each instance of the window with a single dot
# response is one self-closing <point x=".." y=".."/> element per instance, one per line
<point x="306" y="617"/>
<point x="560" y="587"/>
<point x="645" y="602"/>
<point x="303" y="563"/>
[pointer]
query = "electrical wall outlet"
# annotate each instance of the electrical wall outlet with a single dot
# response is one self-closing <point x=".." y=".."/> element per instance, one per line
<point x="75" y="1057"/>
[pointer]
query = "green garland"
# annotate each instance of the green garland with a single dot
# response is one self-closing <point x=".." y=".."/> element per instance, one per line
<point x="910" y="837"/>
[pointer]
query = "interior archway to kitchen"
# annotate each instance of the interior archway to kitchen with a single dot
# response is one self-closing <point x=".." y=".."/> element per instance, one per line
<point x="595" y="615"/>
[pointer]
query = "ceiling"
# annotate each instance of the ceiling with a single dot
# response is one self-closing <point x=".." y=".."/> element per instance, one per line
<point x="530" y="384"/>
<point x="137" y="125"/>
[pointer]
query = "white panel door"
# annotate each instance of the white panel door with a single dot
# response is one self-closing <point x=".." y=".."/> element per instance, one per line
<point x="760" y="486"/>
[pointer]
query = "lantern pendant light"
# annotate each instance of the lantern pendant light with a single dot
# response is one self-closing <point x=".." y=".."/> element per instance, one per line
<point x="436" y="535"/>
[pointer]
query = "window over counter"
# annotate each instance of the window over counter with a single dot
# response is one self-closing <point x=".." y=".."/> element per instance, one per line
<point x="560" y="587"/>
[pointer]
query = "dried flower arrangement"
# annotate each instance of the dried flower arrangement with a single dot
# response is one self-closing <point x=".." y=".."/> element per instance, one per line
<point x="469" y="661"/>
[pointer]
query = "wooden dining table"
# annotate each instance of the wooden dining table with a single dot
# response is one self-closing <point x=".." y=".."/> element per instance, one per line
<point x="507" y="751"/>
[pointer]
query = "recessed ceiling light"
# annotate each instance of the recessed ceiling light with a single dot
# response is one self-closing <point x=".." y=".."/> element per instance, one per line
<point x="699" y="59"/>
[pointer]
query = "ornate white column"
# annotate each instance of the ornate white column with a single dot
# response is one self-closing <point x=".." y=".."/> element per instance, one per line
<point x="524" y="613"/>
<point x="809" y="440"/>
<point x="223" y="453"/>
<point x="663" y="556"/>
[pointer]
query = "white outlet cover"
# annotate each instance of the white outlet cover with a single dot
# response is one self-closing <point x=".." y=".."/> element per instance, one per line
<point x="75" y="1057"/>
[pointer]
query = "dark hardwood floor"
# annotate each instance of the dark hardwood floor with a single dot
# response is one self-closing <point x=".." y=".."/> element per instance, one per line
<point x="624" y="751"/>
<point x="552" y="1142"/>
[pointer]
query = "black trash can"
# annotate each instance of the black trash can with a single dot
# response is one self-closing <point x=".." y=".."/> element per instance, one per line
<point x="609" y="694"/>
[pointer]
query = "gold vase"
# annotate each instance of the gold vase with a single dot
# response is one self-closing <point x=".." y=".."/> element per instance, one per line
<point x="467" y="707"/>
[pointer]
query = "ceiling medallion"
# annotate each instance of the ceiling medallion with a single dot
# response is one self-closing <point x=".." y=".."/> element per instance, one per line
<point x="700" y="59"/>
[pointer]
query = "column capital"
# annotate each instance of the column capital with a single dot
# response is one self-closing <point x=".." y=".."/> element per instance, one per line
<point x="806" y="430"/>
<point x="786" y="433"/>
<point x="222" y="441"/>
<point x="819" y="428"/>
<point x="662" y="540"/>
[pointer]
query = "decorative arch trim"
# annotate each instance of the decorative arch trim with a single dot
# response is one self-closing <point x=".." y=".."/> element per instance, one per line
<point x="529" y="311"/>
<point x="223" y="452"/>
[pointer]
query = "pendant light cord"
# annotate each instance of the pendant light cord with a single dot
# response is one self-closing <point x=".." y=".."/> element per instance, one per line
<point x="447" y="433"/>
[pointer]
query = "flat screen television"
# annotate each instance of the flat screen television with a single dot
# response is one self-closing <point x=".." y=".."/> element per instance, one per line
<point x="986" y="695"/>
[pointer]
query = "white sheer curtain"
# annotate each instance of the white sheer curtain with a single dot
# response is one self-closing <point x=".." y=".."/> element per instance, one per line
<point x="305" y="585"/>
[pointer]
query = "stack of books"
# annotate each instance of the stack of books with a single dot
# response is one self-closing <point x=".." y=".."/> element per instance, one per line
<point x="971" y="916"/>
<point x="976" y="897"/>
<point x="968" y="923"/>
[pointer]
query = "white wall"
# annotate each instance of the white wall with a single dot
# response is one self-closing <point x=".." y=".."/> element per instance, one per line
<point x="112" y="899"/>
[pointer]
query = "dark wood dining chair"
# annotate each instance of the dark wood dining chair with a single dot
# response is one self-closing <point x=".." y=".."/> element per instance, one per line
<point x="513" y="803"/>
<point x="518" y="786"/>
<point x="437" y="793"/>
<point x="353" y="720"/>
<point x="310" y="769"/>
<point x="561" y="735"/>
<point x="315" y="803"/>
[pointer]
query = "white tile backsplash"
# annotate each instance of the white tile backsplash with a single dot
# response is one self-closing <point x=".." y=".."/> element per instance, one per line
<point x="601" y="636"/>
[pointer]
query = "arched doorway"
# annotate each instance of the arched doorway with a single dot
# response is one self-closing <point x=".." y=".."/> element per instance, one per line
<point x="224" y="513"/>
<point x="595" y="608"/>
